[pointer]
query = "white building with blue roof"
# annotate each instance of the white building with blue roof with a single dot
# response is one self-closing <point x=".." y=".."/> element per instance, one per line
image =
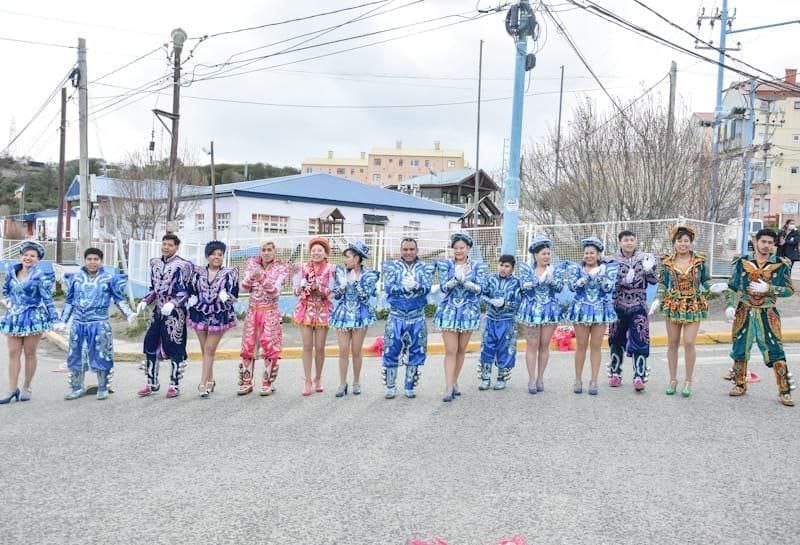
<point x="315" y="203"/>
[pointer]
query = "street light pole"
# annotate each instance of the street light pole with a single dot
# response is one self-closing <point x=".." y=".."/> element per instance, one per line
<point x="520" y="24"/>
<point x="750" y="132"/>
<point x="478" y="142"/>
<point x="213" y="193"/>
<point x="178" y="38"/>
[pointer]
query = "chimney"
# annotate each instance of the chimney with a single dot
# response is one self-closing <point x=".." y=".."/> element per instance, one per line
<point x="330" y="154"/>
<point x="363" y="155"/>
<point x="399" y="144"/>
<point x="437" y="145"/>
<point x="791" y="76"/>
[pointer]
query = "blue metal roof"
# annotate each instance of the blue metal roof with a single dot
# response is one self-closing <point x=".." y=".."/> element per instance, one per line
<point x="105" y="186"/>
<point x="326" y="188"/>
<point x="32" y="216"/>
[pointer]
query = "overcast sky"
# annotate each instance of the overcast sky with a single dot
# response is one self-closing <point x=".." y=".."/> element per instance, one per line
<point x="118" y="32"/>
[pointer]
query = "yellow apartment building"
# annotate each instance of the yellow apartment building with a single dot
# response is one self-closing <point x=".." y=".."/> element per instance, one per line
<point x="389" y="166"/>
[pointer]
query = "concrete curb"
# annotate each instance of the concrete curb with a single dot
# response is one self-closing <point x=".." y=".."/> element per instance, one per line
<point x="296" y="352"/>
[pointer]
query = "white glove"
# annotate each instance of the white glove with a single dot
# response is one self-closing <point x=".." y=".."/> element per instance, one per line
<point x="580" y="282"/>
<point x="132" y="318"/>
<point x="435" y="289"/>
<point x="351" y="276"/>
<point x="527" y="285"/>
<point x="460" y="274"/>
<point x="223" y="296"/>
<point x="167" y="309"/>
<point x="648" y="263"/>
<point x="472" y="286"/>
<point x="304" y="283"/>
<point x="730" y="313"/>
<point x="60" y="327"/>
<point x="497" y="302"/>
<point x="409" y="284"/>
<point x="718" y="287"/>
<point x="279" y="283"/>
<point x="140" y="307"/>
<point x="192" y="301"/>
<point x="758" y="287"/>
<point x="629" y="278"/>
<point x="450" y="284"/>
<point x="601" y="270"/>
<point x="654" y="306"/>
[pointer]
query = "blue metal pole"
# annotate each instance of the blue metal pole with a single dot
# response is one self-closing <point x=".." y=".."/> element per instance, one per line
<point x="749" y="134"/>
<point x="512" y="182"/>
<point x="723" y="31"/>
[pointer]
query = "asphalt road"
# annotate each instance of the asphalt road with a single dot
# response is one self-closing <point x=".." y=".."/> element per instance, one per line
<point x="619" y="468"/>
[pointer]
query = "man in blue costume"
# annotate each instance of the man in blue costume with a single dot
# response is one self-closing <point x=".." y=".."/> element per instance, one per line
<point x="407" y="282"/>
<point x="166" y="335"/>
<point x="90" y="293"/>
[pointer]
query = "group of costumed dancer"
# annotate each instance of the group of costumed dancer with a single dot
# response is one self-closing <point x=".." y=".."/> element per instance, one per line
<point x="609" y="293"/>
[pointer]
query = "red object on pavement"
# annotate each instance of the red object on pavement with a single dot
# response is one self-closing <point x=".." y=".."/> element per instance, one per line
<point x="563" y="338"/>
<point x="376" y="347"/>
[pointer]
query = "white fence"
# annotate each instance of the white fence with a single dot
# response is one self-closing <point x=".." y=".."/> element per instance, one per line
<point x="716" y="241"/>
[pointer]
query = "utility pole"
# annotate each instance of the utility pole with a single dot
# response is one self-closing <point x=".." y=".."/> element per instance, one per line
<point x="213" y="193"/>
<point x="520" y="24"/>
<point x="85" y="231"/>
<point x="61" y="159"/>
<point x="478" y="142"/>
<point x="673" y="82"/>
<point x="749" y="134"/>
<point x="725" y="28"/>
<point x="558" y="128"/>
<point x="178" y="38"/>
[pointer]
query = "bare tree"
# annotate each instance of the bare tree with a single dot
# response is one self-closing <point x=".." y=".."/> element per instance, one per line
<point x="138" y="206"/>
<point x="626" y="167"/>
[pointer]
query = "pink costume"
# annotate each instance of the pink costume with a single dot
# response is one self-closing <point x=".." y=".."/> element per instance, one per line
<point x="313" y="286"/>
<point x="262" y="324"/>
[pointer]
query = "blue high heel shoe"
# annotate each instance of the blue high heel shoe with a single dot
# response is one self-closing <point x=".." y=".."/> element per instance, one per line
<point x="451" y="395"/>
<point x="12" y="395"/>
<point x="342" y="391"/>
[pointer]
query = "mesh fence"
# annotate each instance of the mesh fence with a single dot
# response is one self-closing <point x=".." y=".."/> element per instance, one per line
<point x="717" y="242"/>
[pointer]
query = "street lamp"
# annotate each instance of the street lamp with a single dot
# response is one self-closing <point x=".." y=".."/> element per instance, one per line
<point x="213" y="191"/>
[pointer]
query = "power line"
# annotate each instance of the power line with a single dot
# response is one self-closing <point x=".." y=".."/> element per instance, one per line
<point x="314" y="34"/>
<point x="698" y="39"/>
<point x="126" y="65"/>
<point x="39" y="110"/>
<point x="611" y="17"/>
<point x="331" y="42"/>
<point x="34" y="42"/>
<point x="347" y="50"/>
<point x="79" y="23"/>
<point x="293" y="20"/>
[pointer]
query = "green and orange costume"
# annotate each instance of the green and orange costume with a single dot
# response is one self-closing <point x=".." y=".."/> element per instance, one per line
<point x="757" y="320"/>
<point x="683" y="291"/>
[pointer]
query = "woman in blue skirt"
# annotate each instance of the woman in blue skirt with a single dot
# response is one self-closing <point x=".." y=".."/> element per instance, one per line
<point x="213" y="289"/>
<point x="593" y="282"/>
<point x="540" y="310"/>
<point x="354" y="288"/>
<point x="28" y="293"/>
<point x="461" y="282"/>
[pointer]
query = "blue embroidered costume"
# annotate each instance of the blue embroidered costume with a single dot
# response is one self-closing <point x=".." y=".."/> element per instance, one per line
<point x="352" y="308"/>
<point x="30" y="301"/>
<point x="499" y="344"/>
<point x="460" y="309"/>
<point x="539" y="303"/>
<point x="593" y="293"/>
<point x="209" y="313"/>
<point x="89" y="297"/>
<point x="406" y="335"/>
<point x="630" y="332"/>
<point x="166" y="335"/>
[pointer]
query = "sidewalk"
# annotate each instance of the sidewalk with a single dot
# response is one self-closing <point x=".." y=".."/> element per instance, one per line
<point x="711" y="332"/>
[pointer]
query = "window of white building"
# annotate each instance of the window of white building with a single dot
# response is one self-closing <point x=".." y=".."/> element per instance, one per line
<point x="200" y="222"/>
<point x="223" y="221"/>
<point x="266" y="223"/>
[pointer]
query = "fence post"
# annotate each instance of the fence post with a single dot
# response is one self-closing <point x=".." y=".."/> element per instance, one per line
<point x="711" y="251"/>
